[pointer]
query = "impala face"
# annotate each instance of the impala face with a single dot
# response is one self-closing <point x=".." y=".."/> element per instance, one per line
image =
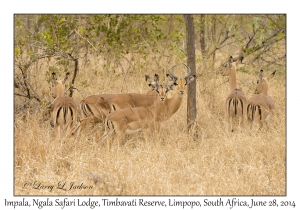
<point x="231" y="65"/>
<point x="262" y="84"/>
<point x="180" y="82"/>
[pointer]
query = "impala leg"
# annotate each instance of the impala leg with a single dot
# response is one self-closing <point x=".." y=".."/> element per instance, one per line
<point x="230" y="123"/>
<point x="76" y="127"/>
<point x="119" y="138"/>
<point x="70" y="123"/>
<point x="83" y="124"/>
<point x="57" y="132"/>
<point x="241" y="121"/>
<point x="157" y="127"/>
<point x="69" y="129"/>
<point x="251" y="125"/>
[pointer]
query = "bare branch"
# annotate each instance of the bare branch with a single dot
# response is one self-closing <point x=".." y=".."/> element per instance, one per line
<point x="25" y="96"/>
<point x="86" y="41"/>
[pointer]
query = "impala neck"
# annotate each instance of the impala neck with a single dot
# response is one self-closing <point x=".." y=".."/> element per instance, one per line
<point x="158" y="104"/>
<point x="59" y="90"/>
<point x="60" y="94"/>
<point x="265" y="89"/>
<point x="173" y="104"/>
<point x="232" y="78"/>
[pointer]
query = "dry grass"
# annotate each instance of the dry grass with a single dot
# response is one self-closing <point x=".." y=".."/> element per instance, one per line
<point x="174" y="163"/>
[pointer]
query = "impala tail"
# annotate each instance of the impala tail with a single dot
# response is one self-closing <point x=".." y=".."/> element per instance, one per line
<point x="85" y="109"/>
<point x="252" y="110"/>
<point x="235" y="104"/>
<point x="65" y="115"/>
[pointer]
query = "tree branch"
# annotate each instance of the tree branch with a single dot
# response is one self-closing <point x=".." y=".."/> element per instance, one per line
<point x="86" y="41"/>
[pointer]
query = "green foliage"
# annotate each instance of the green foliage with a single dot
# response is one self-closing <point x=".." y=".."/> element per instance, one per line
<point x="68" y="37"/>
<point x="244" y="69"/>
<point x="126" y="33"/>
<point x="85" y="83"/>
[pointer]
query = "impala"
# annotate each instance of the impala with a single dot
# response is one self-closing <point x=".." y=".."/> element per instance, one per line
<point x="63" y="109"/>
<point x="172" y="104"/>
<point x="132" y="120"/>
<point x="95" y="108"/>
<point x="236" y="100"/>
<point x="128" y="100"/>
<point x="261" y="102"/>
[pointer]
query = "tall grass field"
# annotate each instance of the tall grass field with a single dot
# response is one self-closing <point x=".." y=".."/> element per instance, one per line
<point x="171" y="162"/>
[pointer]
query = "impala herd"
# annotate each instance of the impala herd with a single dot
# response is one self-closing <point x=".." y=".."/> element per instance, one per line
<point x="129" y="113"/>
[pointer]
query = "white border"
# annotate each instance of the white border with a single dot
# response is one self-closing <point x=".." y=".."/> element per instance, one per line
<point x="154" y="6"/>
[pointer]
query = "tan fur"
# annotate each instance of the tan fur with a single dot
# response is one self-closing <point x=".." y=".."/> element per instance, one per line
<point x="131" y="120"/>
<point x="172" y="104"/>
<point x="95" y="108"/>
<point x="131" y="100"/>
<point x="261" y="103"/>
<point x="138" y="118"/>
<point x="63" y="109"/>
<point x="235" y="104"/>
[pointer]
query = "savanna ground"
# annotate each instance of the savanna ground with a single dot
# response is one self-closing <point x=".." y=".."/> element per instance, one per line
<point x="218" y="162"/>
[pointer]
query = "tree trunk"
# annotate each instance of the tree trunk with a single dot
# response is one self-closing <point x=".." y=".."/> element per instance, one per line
<point x="202" y="35"/>
<point x="74" y="75"/>
<point x="191" y="93"/>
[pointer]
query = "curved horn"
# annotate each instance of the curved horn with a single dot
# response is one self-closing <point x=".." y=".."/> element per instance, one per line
<point x="188" y="73"/>
<point x="172" y="73"/>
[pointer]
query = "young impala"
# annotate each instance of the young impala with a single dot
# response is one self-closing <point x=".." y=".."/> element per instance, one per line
<point x="236" y="100"/>
<point x="261" y="102"/>
<point x="63" y="109"/>
<point x="95" y="108"/>
<point x="128" y="100"/>
<point x="132" y="120"/>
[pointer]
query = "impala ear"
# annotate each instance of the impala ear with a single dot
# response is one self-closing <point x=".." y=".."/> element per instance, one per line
<point x="54" y="78"/>
<point x="230" y="61"/>
<point x="272" y="75"/>
<point x="171" y="78"/>
<point x="153" y="87"/>
<point x="171" y="87"/>
<point x="189" y="79"/>
<point x="241" y="58"/>
<point x="147" y="78"/>
<point x="156" y="78"/>
<point x="66" y="77"/>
